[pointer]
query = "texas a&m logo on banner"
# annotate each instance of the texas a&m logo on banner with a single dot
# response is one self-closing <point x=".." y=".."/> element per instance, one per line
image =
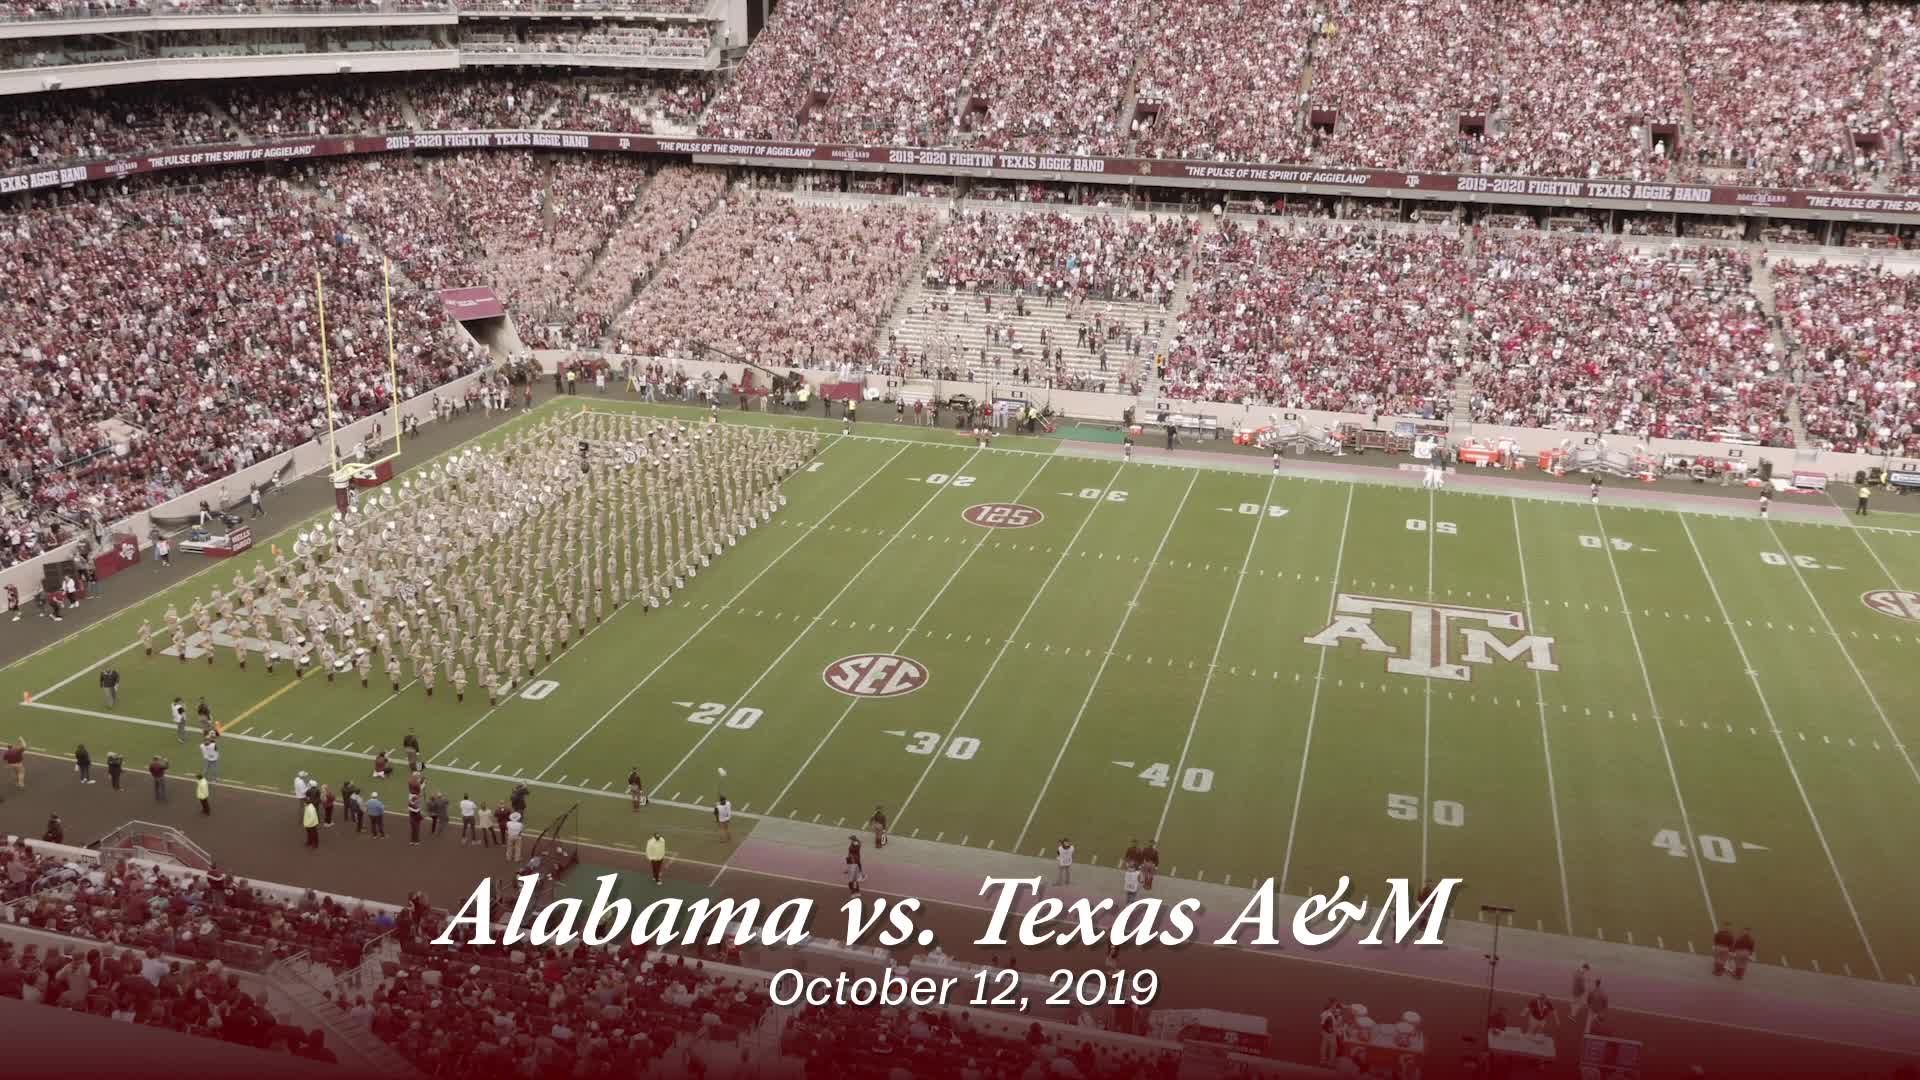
<point x="1376" y="623"/>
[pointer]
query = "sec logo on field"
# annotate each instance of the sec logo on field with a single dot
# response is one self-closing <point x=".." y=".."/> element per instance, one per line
<point x="1894" y="602"/>
<point x="1002" y="515"/>
<point x="875" y="675"/>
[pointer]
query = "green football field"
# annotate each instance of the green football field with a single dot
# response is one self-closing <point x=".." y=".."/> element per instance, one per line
<point x="1625" y="724"/>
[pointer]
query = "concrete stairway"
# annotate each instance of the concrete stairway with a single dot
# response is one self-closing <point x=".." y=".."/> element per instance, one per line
<point x="356" y="1046"/>
<point x="1762" y="288"/>
<point x="957" y="336"/>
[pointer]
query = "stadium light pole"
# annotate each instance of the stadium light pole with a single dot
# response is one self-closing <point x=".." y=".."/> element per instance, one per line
<point x="1493" y="965"/>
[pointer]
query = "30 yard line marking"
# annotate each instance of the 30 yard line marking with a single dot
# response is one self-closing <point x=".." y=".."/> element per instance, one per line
<point x="1220" y="642"/>
<point x="1793" y="771"/>
<point x="1546" y="744"/>
<point x="1653" y="704"/>
<point x="1007" y="643"/>
<point x="1132" y="606"/>
<point x="1313" y="706"/>
<point x="1844" y="653"/>
<point x="901" y="644"/>
<point x="777" y="660"/>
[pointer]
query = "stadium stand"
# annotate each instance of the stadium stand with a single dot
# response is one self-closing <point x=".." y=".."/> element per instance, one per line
<point x="1855" y="331"/>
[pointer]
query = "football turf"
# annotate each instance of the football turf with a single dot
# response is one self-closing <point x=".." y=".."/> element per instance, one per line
<point x="1715" y="728"/>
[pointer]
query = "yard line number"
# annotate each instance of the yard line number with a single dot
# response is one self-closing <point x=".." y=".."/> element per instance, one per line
<point x="739" y="719"/>
<point x="1613" y="542"/>
<point x="1160" y="774"/>
<point x="1712" y="848"/>
<point x="1804" y="562"/>
<point x="538" y="689"/>
<point x="1444" y="528"/>
<point x="959" y="748"/>
<point x="941" y="479"/>
<point x="1255" y="510"/>
<point x="1445" y="811"/>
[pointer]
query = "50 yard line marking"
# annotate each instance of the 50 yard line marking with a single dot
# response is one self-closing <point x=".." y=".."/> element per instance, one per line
<point x="1313" y="707"/>
<point x="902" y="643"/>
<point x="1426" y="724"/>
<point x="1846" y="655"/>
<point x="1193" y="725"/>
<point x="1006" y="644"/>
<point x="1653" y="707"/>
<point x="1792" y="770"/>
<point x="1546" y="744"/>
<point x="804" y="630"/>
<point x="1133" y="604"/>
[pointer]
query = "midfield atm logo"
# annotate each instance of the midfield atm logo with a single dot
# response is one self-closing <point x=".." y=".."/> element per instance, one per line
<point x="1430" y="633"/>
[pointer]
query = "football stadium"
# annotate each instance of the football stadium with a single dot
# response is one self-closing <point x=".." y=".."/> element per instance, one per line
<point x="473" y="458"/>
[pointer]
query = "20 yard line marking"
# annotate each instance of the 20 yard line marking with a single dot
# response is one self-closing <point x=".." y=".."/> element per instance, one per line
<point x="1844" y="653"/>
<point x="1132" y="606"/>
<point x="1792" y="770"/>
<point x="711" y="619"/>
<point x="1660" y="729"/>
<point x="1313" y="706"/>
<point x="856" y="576"/>
<point x="1540" y="694"/>
<point x="1007" y="643"/>
<point x="901" y="644"/>
<point x="1193" y="725"/>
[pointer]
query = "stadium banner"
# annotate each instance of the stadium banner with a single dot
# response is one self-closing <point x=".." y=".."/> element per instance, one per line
<point x="478" y="302"/>
<point x="1625" y="194"/>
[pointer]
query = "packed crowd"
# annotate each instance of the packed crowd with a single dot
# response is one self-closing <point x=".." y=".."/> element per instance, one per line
<point x="1590" y="335"/>
<point x="1101" y="255"/>
<point x="868" y="1044"/>
<point x="764" y="98"/>
<point x="1340" y="318"/>
<point x="1221" y="82"/>
<point x="1042" y="98"/>
<point x="669" y="210"/>
<point x="285" y="110"/>
<point x="1855" y="333"/>
<point x="891" y="70"/>
<point x="186" y="348"/>
<point x="535" y="261"/>
<point x="778" y="283"/>
<point x="79" y="125"/>
<point x="660" y="41"/>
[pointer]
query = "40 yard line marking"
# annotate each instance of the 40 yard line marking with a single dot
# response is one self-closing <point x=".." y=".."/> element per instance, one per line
<point x="856" y="576"/>
<point x="901" y="644"/>
<point x="711" y="619"/>
<point x="1007" y="643"/>
<point x="1193" y="725"/>
<point x="1133" y="604"/>
<point x="1792" y="770"/>
<point x="1313" y="707"/>
<point x="1546" y="744"/>
<point x="1844" y="653"/>
<point x="1653" y="706"/>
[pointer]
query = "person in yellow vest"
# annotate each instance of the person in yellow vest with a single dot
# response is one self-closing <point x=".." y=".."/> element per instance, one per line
<point x="657" y="855"/>
<point x="1861" y="507"/>
<point x="310" y="817"/>
<point x="204" y="792"/>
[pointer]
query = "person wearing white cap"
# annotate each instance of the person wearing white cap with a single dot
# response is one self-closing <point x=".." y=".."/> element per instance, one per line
<point x="300" y="784"/>
<point x="514" y="831"/>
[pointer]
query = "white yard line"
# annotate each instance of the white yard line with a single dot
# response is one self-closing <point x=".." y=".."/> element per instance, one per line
<point x="1313" y="707"/>
<point x="384" y="702"/>
<point x="1426" y="724"/>
<point x="901" y="644"/>
<point x="1213" y="663"/>
<point x="1898" y="743"/>
<point x="1006" y="644"/>
<point x="1546" y="741"/>
<point x="1653" y="705"/>
<point x="856" y="576"/>
<point x="1020" y="842"/>
<point x="1779" y="739"/>
<point x="715" y="617"/>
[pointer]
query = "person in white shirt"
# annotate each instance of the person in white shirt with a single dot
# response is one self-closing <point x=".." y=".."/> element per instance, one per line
<point x="723" y="813"/>
<point x="1130" y="882"/>
<point x="1063" y="855"/>
<point x="514" y="831"/>
<point x="300" y="785"/>
<point x="210" y="753"/>
<point x="469" y="810"/>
